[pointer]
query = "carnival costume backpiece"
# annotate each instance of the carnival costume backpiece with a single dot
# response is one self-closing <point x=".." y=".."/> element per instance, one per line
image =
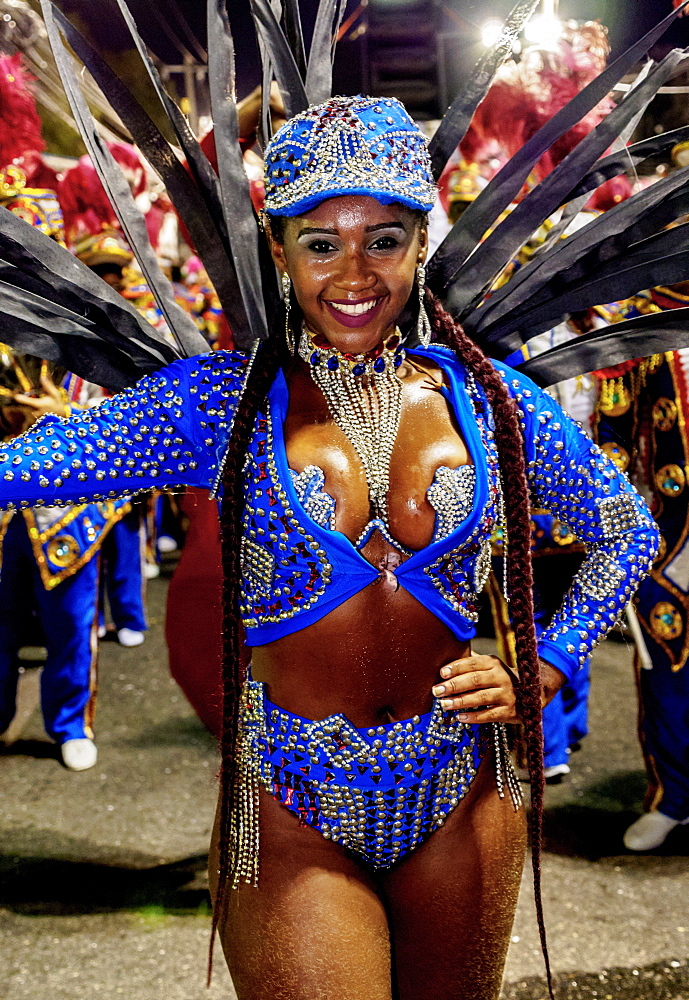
<point x="377" y="793"/>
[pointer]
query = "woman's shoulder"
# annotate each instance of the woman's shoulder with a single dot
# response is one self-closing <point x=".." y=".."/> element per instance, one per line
<point x="213" y="363"/>
<point x="518" y="385"/>
<point x="217" y="372"/>
<point x="522" y="389"/>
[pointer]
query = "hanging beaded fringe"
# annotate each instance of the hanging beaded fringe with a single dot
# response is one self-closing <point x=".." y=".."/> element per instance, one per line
<point x="244" y="822"/>
<point x="504" y="771"/>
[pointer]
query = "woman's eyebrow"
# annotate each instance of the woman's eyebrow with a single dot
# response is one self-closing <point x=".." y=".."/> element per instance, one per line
<point x="311" y="231"/>
<point x="307" y="231"/>
<point x="385" y="225"/>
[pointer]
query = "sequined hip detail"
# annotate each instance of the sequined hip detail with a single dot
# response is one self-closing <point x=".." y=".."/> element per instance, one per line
<point x="378" y="791"/>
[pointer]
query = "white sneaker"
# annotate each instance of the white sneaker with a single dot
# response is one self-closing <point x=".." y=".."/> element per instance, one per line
<point x="650" y="831"/>
<point x="79" y="755"/>
<point x="129" y="637"/>
<point x="555" y="773"/>
<point x="166" y="543"/>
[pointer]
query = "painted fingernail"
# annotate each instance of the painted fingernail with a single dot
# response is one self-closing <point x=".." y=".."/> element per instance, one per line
<point x="445" y="672"/>
<point x="446" y="703"/>
<point x="438" y="690"/>
<point x="463" y="718"/>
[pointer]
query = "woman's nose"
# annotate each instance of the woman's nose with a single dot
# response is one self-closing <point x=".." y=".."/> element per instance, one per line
<point x="354" y="272"/>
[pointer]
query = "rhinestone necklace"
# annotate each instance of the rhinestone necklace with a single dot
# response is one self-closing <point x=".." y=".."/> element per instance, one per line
<point x="364" y="396"/>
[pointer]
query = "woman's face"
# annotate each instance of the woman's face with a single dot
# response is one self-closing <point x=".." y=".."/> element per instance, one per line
<point x="352" y="262"/>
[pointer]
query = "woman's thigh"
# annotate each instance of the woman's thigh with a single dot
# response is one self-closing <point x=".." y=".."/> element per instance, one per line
<point x="451" y="902"/>
<point x="314" y="929"/>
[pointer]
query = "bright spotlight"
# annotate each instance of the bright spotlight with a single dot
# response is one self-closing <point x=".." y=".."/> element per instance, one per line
<point x="543" y="30"/>
<point x="491" y="31"/>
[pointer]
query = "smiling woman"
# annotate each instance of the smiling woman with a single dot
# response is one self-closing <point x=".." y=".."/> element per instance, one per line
<point x="353" y="263"/>
<point x="363" y="471"/>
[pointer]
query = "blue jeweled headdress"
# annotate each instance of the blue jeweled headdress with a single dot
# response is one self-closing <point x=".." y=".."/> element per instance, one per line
<point x="348" y="145"/>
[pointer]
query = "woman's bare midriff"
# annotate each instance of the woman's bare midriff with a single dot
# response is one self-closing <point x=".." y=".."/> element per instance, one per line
<point x="376" y="657"/>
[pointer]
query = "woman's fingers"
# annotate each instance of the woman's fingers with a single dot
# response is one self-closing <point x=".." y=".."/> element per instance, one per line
<point x="493" y="713"/>
<point x="471" y="674"/>
<point x="477" y="699"/>
<point x="479" y="688"/>
<point x="24" y="400"/>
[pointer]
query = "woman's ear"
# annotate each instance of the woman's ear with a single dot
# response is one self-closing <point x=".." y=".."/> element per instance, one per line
<point x="277" y="250"/>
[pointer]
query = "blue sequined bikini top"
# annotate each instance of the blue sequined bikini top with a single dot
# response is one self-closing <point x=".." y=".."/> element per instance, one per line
<point x="296" y="567"/>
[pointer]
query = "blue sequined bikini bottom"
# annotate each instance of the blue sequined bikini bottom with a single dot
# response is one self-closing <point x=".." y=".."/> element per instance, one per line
<point x="378" y="791"/>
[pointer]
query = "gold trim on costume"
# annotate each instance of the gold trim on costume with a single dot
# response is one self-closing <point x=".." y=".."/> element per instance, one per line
<point x="39" y="538"/>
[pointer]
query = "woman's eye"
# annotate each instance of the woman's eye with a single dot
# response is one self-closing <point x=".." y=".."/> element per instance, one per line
<point x="321" y="246"/>
<point x="385" y="243"/>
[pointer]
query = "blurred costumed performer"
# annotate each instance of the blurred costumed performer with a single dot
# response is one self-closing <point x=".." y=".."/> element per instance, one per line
<point x="642" y="416"/>
<point x="94" y="236"/>
<point x="49" y="556"/>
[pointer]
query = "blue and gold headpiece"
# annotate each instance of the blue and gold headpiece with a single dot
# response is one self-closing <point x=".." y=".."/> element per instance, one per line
<point x="348" y="145"/>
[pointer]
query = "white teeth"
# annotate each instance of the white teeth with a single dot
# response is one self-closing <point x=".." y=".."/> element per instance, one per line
<point x="356" y="308"/>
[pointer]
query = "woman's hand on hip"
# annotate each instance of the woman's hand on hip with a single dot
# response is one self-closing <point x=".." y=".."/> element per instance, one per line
<point x="480" y="688"/>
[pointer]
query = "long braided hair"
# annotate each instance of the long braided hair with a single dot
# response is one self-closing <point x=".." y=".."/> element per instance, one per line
<point x="510" y="448"/>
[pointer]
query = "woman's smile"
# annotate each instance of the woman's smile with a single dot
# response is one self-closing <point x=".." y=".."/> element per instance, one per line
<point x="355" y="313"/>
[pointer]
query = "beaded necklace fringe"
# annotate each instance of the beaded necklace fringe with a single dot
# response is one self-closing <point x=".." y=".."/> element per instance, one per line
<point x="364" y="396"/>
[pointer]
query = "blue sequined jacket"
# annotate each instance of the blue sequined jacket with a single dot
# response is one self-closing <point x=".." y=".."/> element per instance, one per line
<point x="172" y="429"/>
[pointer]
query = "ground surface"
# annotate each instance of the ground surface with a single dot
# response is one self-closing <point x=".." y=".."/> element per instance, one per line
<point x="102" y="874"/>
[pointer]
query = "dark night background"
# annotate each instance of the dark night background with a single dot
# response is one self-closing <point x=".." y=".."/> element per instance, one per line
<point x="158" y="19"/>
<point x="420" y="51"/>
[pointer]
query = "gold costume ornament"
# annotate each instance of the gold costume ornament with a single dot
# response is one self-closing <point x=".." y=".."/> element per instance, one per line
<point x="617" y="454"/>
<point x="666" y="621"/>
<point x="670" y="480"/>
<point x="664" y="413"/>
<point x="614" y="397"/>
<point x="62" y="550"/>
<point x="562" y="533"/>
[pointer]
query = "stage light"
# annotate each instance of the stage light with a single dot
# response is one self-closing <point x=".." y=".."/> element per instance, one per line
<point x="543" y="30"/>
<point x="491" y="31"/>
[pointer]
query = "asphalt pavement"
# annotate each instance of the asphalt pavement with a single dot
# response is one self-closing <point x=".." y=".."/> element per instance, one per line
<point x="103" y="889"/>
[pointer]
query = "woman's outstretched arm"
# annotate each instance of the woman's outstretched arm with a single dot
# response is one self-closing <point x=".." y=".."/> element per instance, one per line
<point x="170" y="429"/>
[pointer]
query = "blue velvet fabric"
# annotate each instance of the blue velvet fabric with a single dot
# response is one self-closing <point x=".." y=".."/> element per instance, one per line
<point x="67" y="615"/>
<point x="122" y="576"/>
<point x="172" y="429"/>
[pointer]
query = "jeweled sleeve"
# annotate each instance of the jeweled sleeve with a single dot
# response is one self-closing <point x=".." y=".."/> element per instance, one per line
<point x="169" y="430"/>
<point x="570" y="477"/>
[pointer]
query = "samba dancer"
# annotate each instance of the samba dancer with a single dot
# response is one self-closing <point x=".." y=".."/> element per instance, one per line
<point x="362" y="479"/>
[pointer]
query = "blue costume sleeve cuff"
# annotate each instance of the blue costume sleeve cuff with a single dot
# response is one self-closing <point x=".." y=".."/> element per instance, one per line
<point x="552" y="653"/>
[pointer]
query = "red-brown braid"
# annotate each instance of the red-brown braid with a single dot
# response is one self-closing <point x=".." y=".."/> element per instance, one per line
<point x="510" y="446"/>
<point x="259" y="381"/>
